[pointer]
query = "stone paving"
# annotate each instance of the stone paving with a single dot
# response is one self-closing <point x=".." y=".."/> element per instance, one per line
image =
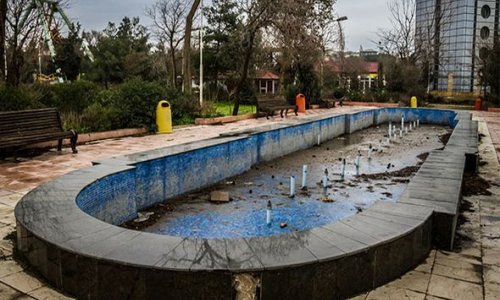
<point x="471" y="272"/>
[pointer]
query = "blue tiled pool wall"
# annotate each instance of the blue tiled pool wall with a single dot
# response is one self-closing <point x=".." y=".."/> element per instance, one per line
<point x="426" y="116"/>
<point x="118" y="197"/>
<point x="111" y="199"/>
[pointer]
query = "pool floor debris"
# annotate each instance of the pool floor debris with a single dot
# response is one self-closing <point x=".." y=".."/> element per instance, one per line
<point x="383" y="177"/>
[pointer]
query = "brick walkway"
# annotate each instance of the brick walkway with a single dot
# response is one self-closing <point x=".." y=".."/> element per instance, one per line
<point x="492" y="119"/>
<point x="472" y="272"/>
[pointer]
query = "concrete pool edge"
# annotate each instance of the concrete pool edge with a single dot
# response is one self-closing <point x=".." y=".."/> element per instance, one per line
<point x="55" y="234"/>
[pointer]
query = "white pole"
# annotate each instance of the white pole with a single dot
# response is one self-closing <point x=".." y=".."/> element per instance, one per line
<point x="304" y="177"/>
<point x="292" y="186"/>
<point x="319" y="139"/>
<point x="268" y="213"/>
<point x="402" y="121"/>
<point x="201" y="57"/>
<point x="418" y="122"/>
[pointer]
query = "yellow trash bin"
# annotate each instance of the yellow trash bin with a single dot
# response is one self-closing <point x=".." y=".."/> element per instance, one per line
<point x="413" y="102"/>
<point x="163" y="117"/>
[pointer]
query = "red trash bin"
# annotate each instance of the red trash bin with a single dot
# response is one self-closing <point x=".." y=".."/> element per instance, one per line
<point x="300" y="101"/>
<point x="477" y="104"/>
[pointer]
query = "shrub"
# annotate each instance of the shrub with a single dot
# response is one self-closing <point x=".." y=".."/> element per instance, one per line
<point x="72" y="96"/>
<point x="97" y="117"/>
<point x="184" y="106"/>
<point x="136" y="102"/>
<point x="18" y="98"/>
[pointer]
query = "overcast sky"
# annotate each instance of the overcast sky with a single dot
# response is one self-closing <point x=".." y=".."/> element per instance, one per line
<point x="365" y="16"/>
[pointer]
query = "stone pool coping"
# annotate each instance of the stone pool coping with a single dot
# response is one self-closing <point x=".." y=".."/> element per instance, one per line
<point x="53" y="231"/>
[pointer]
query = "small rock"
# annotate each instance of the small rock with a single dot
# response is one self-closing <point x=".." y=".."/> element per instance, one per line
<point x="327" y="200"/>
<point x="143" y="217"/>
<point x="219" y="196"/>
<point x="250" y="191"/>
<point x="283" y="225"/>
<point x="272" y="176"/>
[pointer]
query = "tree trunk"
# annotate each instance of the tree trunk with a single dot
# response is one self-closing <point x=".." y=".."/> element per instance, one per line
<point x="14" y="67"/>
<point x="244" y="71"/>
<point x="174" y="68"/>
<point x="3" y="17"/>
<point x="186" y="51"/>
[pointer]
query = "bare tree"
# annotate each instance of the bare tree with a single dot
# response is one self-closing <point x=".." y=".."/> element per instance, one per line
<point x="400" y="39"/>
<point x="186" y="51"/>
<point x="417" y="39"/>
<point x="23" y="31"/>
<point x="169" y="17"/>
<point x="428" y="39"/>
<point x="303" y="30"/>
<point x="258" y="14"/>
<point x="18" y="37"/>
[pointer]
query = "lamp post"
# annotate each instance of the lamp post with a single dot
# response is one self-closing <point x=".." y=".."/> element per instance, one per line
<point x="201" y="56"/>
<point x="342" y="46"/>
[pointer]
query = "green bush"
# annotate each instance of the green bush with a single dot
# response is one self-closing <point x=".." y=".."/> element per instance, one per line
<point x="72" y="96"/>
<point x="97" y="117"/>
<point x="20" y="98"/>
<point x="184" y="107"/>
<point x="87" y="107"/>
<point x="136" y="101"/>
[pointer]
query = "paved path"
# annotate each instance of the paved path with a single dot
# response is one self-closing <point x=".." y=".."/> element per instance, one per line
<point x="472" y="272"/>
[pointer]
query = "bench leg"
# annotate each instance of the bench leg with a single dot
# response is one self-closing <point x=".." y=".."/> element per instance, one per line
<point x="59" y="145"/>
<point x="73" y="141"/>
<point x="296" y="110"/>
<point x="281" y="113"/>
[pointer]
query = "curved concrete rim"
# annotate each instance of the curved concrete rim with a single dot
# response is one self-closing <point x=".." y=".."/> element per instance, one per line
<point x="50" y="213"/>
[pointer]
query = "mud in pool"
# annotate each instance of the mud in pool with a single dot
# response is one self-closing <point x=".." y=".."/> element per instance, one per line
<point x="383" y="177"/>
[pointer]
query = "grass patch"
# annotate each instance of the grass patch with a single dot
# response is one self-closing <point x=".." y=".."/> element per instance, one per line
<point x="226" y="108"/>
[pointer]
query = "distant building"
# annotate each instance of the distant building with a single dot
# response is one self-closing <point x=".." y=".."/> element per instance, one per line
<point x="266" y="82"/>
<point x="365" y="72"/>
<point x="455" y="34"/>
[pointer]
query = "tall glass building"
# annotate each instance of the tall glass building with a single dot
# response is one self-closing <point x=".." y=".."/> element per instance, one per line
<point x="452" y="35"/>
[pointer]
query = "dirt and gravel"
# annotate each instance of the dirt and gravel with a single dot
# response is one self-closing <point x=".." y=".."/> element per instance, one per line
<point x="383" y="177"/>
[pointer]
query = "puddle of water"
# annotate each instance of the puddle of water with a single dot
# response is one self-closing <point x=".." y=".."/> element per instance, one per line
<point x="245" y="216"/>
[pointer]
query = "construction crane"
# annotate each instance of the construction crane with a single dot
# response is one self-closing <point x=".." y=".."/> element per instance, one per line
<point x="41" y="7"/>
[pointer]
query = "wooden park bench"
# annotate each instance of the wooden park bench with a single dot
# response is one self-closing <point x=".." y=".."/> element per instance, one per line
<point x="22" y="128"/>
<point x="270" y="104"/>
<point x="332" y="102"/>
